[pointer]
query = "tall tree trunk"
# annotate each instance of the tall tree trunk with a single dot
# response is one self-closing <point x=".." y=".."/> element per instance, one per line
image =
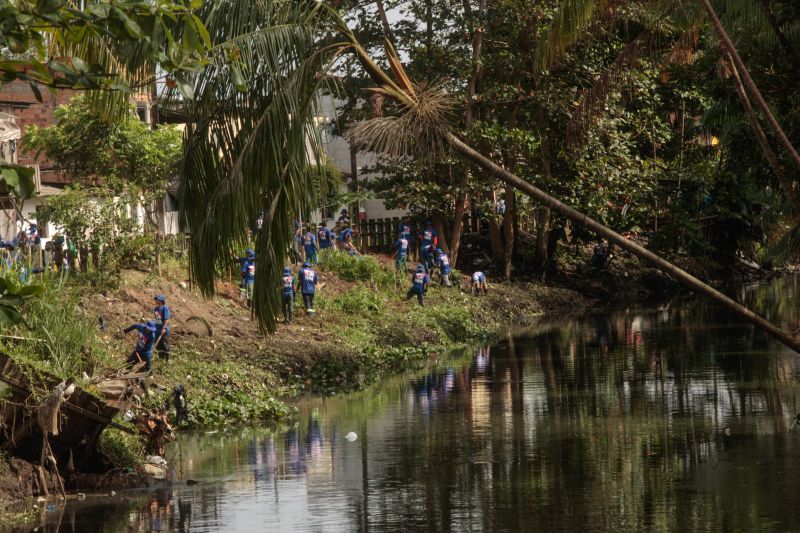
<point x="749" y="83"/>
<point x="579" y="218"/>
<point x="772" y="158"/>
<point x="438" y="224"/>
<point x="462" y="199"/>
<point x="542" y="232"/>
<point x="495" y="235"/>
<point x="628" y="245"/>
<point x="354" y="182"/>
<point x="387" y="29"/>
<point x="508" y="232"/>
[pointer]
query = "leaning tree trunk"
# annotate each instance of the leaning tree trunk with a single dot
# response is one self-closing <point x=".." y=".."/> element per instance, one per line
<point x="748" y="81"/>
<point x="564" y="210"/>
<point x="639" y="251"/>
<point x="769" y="153"/>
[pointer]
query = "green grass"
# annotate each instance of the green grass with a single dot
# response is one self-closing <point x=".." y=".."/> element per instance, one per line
<point x="59" y="336"/>
<point x="224" y="392"/>
<point x="357" y="268"/>
<point x="122" y="449"/>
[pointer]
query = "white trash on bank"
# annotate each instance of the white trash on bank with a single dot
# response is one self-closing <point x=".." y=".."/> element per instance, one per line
<point x="351" y="436"/>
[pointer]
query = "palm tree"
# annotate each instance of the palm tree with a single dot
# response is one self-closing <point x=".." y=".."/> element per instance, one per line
<point x="254" y="112"/>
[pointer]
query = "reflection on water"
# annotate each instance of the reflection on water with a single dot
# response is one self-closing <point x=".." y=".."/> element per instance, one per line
<point x="668" y="419"/>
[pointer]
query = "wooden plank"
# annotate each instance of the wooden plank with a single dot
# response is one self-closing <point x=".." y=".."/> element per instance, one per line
<point x="72" y="407"/>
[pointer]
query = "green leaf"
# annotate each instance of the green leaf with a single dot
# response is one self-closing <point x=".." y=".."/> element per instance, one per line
<point x="191" y="39"/>
<point x="36" y="92"/>
<point x="31" y="290"/>
<point x="201" y="28"/>
<point x="19" y="179"/>
<point x="9" y="316"/>
<point x="184" y="86"/>
<point x="238" y="79"/>
<point x="133" y="29"/>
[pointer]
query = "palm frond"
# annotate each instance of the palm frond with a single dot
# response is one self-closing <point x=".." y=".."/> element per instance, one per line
<point x="569" y="25"/>
<point x="786" y="247"/>
<point x="251" y="139"/>
<point x="417" y="130"/>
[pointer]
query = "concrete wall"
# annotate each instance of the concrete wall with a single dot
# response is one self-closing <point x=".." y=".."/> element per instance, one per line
<point x="338" y="150"/>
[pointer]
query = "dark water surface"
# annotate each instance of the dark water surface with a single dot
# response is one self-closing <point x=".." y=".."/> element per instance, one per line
<point x="672" y="419"/>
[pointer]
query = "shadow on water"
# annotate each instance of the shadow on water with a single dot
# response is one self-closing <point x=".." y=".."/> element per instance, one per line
<point x="675" y="418"/>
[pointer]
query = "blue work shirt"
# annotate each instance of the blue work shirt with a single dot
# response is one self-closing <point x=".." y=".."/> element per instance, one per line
<point x="309" y="243"/>
<point x="144" y="344"/>
<point x="478" y="277"/>
<point x="402" y="247"/>
<point x="308" y="280"/>
<point x="288" y="284"/>
<point x="163" y="313"/>
<point x="428" y="236"/>
<point x="325" y="238"/>
<point x="250" y="272"/>
<point x="405" y="232"/>
<point x="346" y="234"/>
<point x="419" y="281"/>
<point x="243" y="263"/>
<point x="444" y="264"/>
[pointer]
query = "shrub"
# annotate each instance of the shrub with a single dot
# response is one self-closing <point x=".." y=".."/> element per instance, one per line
<point x="121" y="449"/>
<point x="357" y="268"/>
<point x="356" y="301"/>
<point x="63" y="340"/>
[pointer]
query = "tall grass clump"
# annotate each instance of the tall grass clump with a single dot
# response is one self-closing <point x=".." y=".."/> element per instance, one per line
<point x="357" y="301"/>
<point x="357" y="268"/>
<point x="57" y="336"/>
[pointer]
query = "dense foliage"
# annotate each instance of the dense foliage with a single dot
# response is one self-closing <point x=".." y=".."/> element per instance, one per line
<point x="633" y="122"/>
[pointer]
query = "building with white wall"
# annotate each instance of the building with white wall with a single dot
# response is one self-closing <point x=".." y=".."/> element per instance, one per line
<point x="338" y="150"/>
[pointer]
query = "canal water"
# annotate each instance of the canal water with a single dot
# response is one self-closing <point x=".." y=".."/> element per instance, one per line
<point x="674" y="418"/>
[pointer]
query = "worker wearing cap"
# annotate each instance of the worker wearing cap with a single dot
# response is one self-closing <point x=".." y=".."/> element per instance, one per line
<point x="401" y="254"/>
<point x="163" y="327"/>
<point x="325" y="237"/>
<point x="428" y="241"/>
<point x="307" y="280"/>
<point x="144" y="344"/>
<point x="287" y="294"/>
<point x="443" y="262"/>
<point x="479" y="284"/>
<point x="419" y="285"/>
<point x="244" y="264"/>
<point x="310" y="246"/>
<point x="250" y="279"/>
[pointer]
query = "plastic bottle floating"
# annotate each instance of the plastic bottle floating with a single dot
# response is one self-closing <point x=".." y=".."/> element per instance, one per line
<point x="351" y="436"/>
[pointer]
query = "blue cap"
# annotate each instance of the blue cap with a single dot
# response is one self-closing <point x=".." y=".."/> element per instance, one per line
<point x="420" y="268"/>
<point x="428" y="222"/>
<point x="306" y="264"/>
<point x="250" y="253"/>
<point x="439" y="251"/>
<point x="287" y="271"/>
<point x="151" y="325"/>
<point x="160" y="298"/>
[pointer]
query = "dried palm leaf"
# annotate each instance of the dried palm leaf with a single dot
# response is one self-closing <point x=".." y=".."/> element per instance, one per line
<point x="419" y="130"/>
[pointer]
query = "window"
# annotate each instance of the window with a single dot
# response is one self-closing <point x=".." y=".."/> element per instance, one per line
<point x="141" y="112"/>
<point x="171" y="202"/>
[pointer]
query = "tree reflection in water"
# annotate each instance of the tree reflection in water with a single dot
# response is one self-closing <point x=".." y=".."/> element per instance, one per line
<point x="676" y="418"/>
